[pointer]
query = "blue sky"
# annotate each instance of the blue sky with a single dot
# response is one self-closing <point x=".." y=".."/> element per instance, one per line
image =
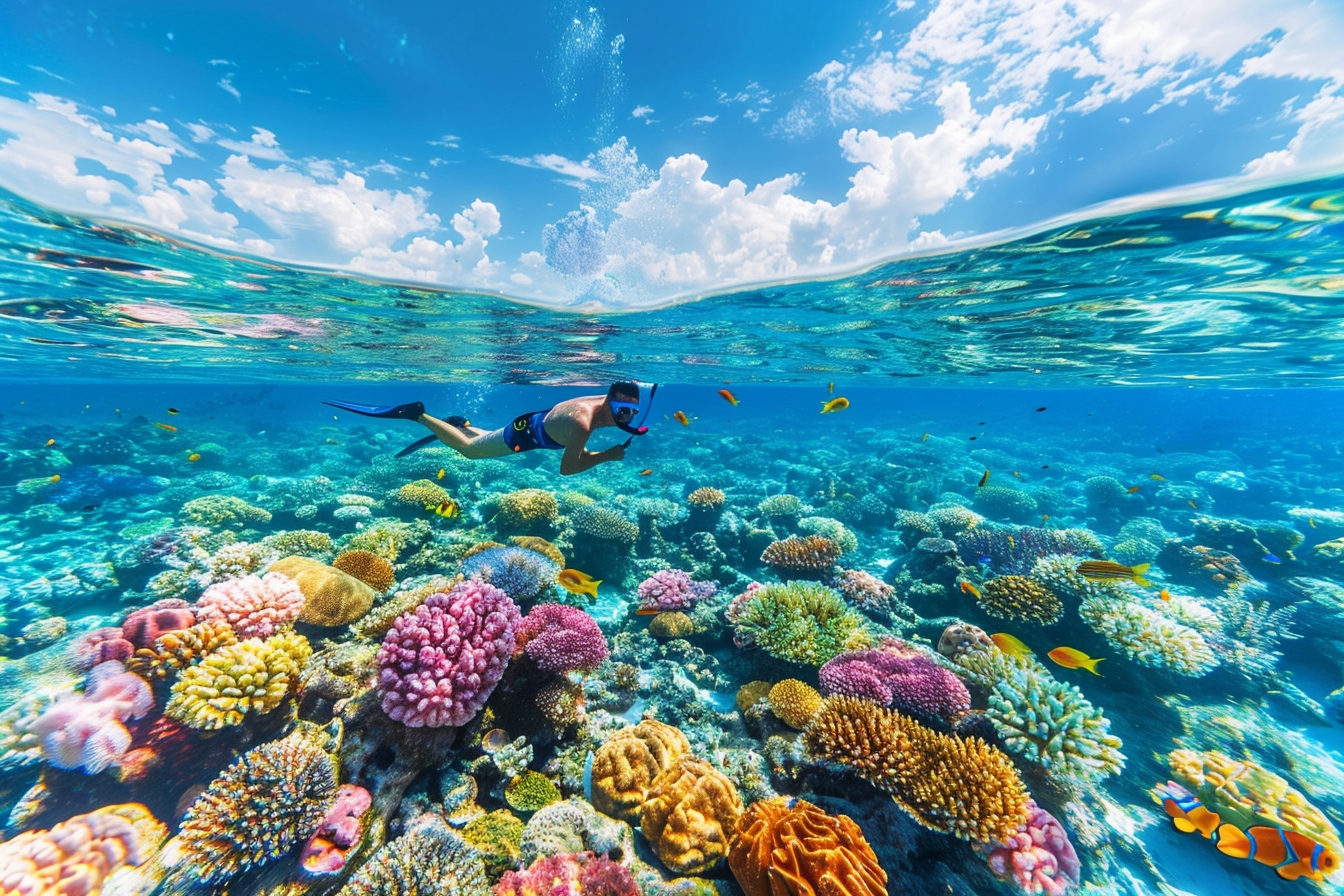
<point x="627" y="153"/>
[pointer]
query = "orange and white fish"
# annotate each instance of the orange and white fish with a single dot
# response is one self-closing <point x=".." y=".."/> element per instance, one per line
<point x="1070" y="658"/>
<point x="1187" y="813"/>
<point x="969" y="588"/>
<point x="728" y="397"/>
<point x="576" y="582"/>
<point x="835" y="404"/>
<point x="1010" y="645"/>
<point x="1103" y="570"/>
<point x="680" y="417"/>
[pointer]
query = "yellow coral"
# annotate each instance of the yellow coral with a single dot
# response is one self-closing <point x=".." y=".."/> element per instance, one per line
<point x="626" y="764"/>
<point x="752" y="693"/>
<point x="527" y="508"/>
<point x="79" y="854"/>
<point x="959" y="786"/>
<point x="541" y="546"/>
<point x="422" y="493"/>
<point x="795" y="702"/>
<point x="707" y="497"/>
<point x="690" y="815"/>
<point x="498" y="837"/>
<point x="177" y="650"/>
<point x="789" y="847"/>
<point x="672" y="624"/>
<point x="368" y="567"/>
<point x="531" y="791"/>
<point x="331" y="597"/>
<point x="252" y="676"/>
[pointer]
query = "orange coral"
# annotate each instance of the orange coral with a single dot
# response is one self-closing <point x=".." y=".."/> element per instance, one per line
<point x="690" y="815"/>
<point x="77" y="856"/>
<point x="625" y="766"/>
<point x="331" y="597"/>
<point x="795" y="702"/>
<point x="789" y="847"/>
<point x="368" y="567"/>
<point x="958" y="786"/>
<point x="812" y="553"/>
<point x="173" y="651"/>
<point x="541" y="546"/>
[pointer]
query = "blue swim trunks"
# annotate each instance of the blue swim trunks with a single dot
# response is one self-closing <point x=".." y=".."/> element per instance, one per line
<point x="528" y="432"/>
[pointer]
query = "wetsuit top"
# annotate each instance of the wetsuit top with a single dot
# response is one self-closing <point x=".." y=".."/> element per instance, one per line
<point x="528" y="431"/>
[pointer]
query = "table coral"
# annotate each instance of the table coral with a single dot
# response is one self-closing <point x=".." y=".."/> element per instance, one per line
<point x="898" y="675"/>
<point x="802" y="622"/>
<point x="76" y="856"/>
<point x="254" y="607"/>
<point x="439" y="663"/>
<point x="1019" y="599"/>
<point x="628" y="761"/>
<point x="561" y="638"/>
<point x="794" y="702"/>
<point x="430" y="859"/>
<point x="252" y="676"/>
<point x="368" y="567"/>
<point x="813" y="555"/>
<point x="690" y="814"/>
<point x="789" y="847"/>
<point x="1148" y="637"/>
<point x="962" y="787"/>
<point x="331" y="597"/>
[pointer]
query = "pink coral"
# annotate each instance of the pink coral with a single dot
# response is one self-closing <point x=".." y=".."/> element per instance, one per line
<point x="439" y="662"/>
<point x="561" y="638"/>
<point x="672" y="589"/>
<point x="102" y="645"/>
<point x="77" y="856"/>
<point x="253" y="607"/>
<point x="556" y="875"/>
<point x="899" y="675"/>
<point x="87" y="730"/>
<point x="339" y="832"/>
<point x="143" y="627"/>
<point x="1039" y="858"/>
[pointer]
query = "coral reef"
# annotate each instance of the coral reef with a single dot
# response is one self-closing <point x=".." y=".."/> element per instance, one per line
<point x="690" y="814"/>
<point x="1019" y="599"/>
<point x="531" y="791"/>
<point x="247" y="677"/>
<point x="811" y="556"/>
<point x="337" y="836"/>
<point x="1039" y="858"/>
<point x="674" y="624"/>
<point x="528" y="509"/>
<point x="422" y="493"/>
<point x="863" y="590"/>
<point x="331" y="597"/>
<point x="627" y="763"/>
<point x="802" y="622"/>
<point x="429" y="859"/>
<point x="898" y="675"/>
<point x="368" y="567"/>
<point x="560" y="638"/>
<point x="175" y="651"/>
<point x="223" y="512"/>
<point x="521" y="573"/>
<point x="1148" y="637"/>
<point x="789" y="847"/>
<point x="794" y="702"/>
<point x="88" y="730"/>
<point x="253" y="607"/>
<point x="78" y="855"/>
<point x="672" y="589"/>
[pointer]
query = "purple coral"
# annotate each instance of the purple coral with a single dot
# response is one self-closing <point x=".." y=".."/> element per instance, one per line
<point x="339" y="833"/>
<point x="560" y="638"/>
<point x="439" y="662"/>
<point x="899" y="675"/>
<point x="1039" y="858"/>
<point x="253" y="607"/>
<point x="88" y="730"/>
<point x="102" y="645"/>
<point x="672" y="589"/>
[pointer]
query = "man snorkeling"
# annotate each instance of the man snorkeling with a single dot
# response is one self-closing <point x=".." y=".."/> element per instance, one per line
<point x="567" y="426"/>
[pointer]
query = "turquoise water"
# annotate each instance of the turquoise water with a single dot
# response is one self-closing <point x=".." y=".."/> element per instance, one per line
<point x="1154" y="388"/>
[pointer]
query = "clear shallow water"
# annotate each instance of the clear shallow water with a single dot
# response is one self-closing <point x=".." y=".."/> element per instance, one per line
<point x="1241" y="291"/>
<point x="1232" y="494"/>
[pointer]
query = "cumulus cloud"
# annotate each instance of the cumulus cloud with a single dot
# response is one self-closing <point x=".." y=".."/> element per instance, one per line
<point x="263" y="145"/>
<point x="462" y="263"/>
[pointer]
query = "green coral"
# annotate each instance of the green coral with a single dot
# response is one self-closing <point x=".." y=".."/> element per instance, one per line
<point x="802" y="622"/>
<point x="1148" y="637"/>
<point x="299" y="543"/>
<point x="498" y="837"/>
<point x="780" y="506"/>
<point x="218" y="511"/>
<point x="531" y="791"/>
<point x="835" y="530"/>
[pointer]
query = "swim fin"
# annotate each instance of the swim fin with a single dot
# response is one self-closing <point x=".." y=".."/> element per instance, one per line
<point x="411" y="411"/>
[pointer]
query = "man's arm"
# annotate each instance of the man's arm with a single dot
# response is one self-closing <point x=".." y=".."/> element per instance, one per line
<point x="576" y="459"/>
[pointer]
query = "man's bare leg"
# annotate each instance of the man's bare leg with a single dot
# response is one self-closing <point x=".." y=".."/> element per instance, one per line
<point x="470" y="441"/>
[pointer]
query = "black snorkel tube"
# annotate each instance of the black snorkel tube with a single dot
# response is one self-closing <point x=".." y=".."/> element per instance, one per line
<point x="641" y="429"/>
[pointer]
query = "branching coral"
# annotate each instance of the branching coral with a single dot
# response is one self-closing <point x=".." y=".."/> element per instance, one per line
<point x="813" y="555"/>
<point x="801" y="622"/>
<point x="271" y="799"/>
<point x="1058" y="572"/>
<point x="223" y="512"/>
<point x="833" y="529"/>
<point x="368" y="567"/>
<point x="1019" y="599"/>
<point x="560" y="638"/>
<point x="780" y="506"/>
<point x="249" y="677"/>
<point x="690" y="814"/>
<point x="1148" y="637"/>
<point x="1046" y="721"/>
<point x="789" y="847"/>
<point x="962" y="787"/>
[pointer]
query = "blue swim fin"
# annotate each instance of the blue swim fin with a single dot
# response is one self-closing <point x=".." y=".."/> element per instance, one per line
<point x="410" y="411"/>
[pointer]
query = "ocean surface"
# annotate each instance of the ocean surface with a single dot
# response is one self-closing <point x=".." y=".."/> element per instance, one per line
<point x="1116" y="439"/>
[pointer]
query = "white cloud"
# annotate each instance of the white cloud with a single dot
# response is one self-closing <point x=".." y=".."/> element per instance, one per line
<point x="705" y="119"/>
<point x="4" y="80"/>
<point x="641" y="112"/>
<point x="226" y="84"/>
<point x="878" y="85"/>
<point x="263" y="145"/>
<point x="1318" y="143"/>
<point x="218" y="62"/>
<point x="200" y="133"/>
<point x="579" y="171"/>
<point x="464" y="263"/>
<point x="39" y="69"/>
<point x="447" y="141"/>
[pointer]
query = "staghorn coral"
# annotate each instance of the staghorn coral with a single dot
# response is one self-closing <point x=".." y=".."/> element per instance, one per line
<point x="223" y="512"/>
<point x="961" y="787"/>
<point x="627" y="763"/>
<point x="789" y="847"/>
<point x="77" y="856"/>
<point x="331" y="597"/>
<point x="813" y="555"/>
<point x="1148" y="637"/>
<point x="270" y="800"/>
<point x="690" y="814"/>
<point x="1046" y="721"/>
<point x="429" y="859"/>
<point x="531" y="791"/>
<point x="1019" y="599"/>
<point x="794" y="702"/>
<point x="672" y="624"/>
<point x="672" y="589"/>
<point x="521" y="573"/>
<point x="801" y="622"/>
<point x="249" y="677"/>
<point x="439" y="663"/>
<point x="253" y="607"/>
<point x="528" y="508"/>
<point x="368" y="567"/>
<point x="561" y="638"/>
<point x="175" y="651"/>
<point x="422" y="493"/>
<point x="898" y="675"/>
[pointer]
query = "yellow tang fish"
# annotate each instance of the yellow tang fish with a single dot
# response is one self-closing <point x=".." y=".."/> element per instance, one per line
<point x="50" y="442"/>
<point x="680" y="417"/>
<point x="1010" y="645"/>
<point x="442" y="472"/>
<point x="1157" y="477"/>
<point x="447" y="508"/>
<point x="835" y="404"/>
<point x="56" y="477"/>
<point x="576" y="582"/>
<point x="1075" y="659"/>
<point x="192" y="458"/>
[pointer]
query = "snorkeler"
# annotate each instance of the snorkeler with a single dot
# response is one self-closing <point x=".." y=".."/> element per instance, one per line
<point x="567" y="427"/>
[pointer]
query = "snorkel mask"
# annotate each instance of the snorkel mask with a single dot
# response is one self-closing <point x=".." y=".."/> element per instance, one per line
<point x="624" y="411"/>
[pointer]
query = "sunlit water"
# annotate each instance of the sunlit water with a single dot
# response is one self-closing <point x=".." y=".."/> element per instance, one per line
<point x="1074" y="379"/>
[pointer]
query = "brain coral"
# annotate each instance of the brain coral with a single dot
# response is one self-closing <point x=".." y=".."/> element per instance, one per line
<point x="672" y="624"/>
<point x="561" y="638"/>
<point x="331" y="596"/>
<point x="802" y="622"/>
<point x="368" y="567"/>
<point x="422" y="493"/>
<point x="1148" y="637"/>
<point x="253" y="607"/>
<point x="794" y="702"/>
<point x="961" y="787"/>
<point x="690" y="814"/>
<point x="430" y="859"/>
<point x="814" y="554"/>
<point x="626" y="764"/>
<point x="270" y="800"/>
<point x="899" y="675"/>
<point x="522" y="574"/>
<point x="251" y="676"/>
<point x="439" y="663"/>
<point x="528" y="508"/>
<point x="1020" y="599"/>
<point x="76" y="856"/>
<point x="789" y="847"/>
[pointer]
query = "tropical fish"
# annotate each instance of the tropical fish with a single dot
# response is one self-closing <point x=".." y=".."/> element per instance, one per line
<point x="830" y="390"/>
<point x="1291" y="853"/>
<point x="50" y="442"/>
<point x="983" y="480"/>
<point x="968" y="588"/>
<point x="1311" y="521"/>
<point x="1132" y="489"/>
<point x="1187" y="813"/>
<point x="1010" y="645"/>
<point x="648" y="611"/>
<point x="1038" y="410"/>
<point x="447" y="508"/>
<point x="1107" y="569"/>
<point x="174" y="411"/>
<point x="1044" y="517"/>
<point x="926" y="437"/>
<point x="1192" y="504"/>
<point x="1157" y="477"/>
<point x="576" y="582"/>
<point x="646" y="472"/>
<point x="1164" y="594"/>
<point x="1270" y="558"/>
<point x="192" y="458"/>
<point x="55" y="477"/>
<point x="680" y="417"/>
<point x="1075" y="659"/>
<point x="1017" y="474"/>
<point x="835" y="404"/>
<point x="728" y="397"/>
<point x="1012" y="545"/>
<point x="442" y="473"/>
<point x="165" y="426"/>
